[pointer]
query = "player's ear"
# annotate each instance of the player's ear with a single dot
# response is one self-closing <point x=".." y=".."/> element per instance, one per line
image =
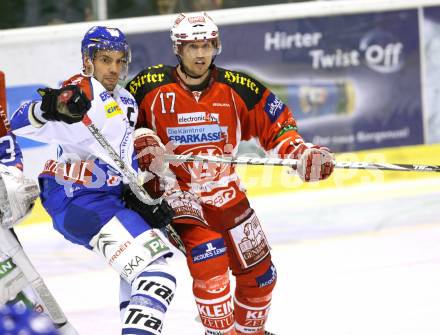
<point x="88" y="66"/>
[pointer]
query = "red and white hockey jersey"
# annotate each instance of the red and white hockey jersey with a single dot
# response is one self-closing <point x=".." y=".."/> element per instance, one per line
<point x="232" y="108"/>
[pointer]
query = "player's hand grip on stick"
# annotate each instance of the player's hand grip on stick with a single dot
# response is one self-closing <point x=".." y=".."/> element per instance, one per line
<point x="315" y="164"/>
<point x="158" y="215"/>
<point x="125" y="169"/>
<point x="130" y="175"/>
<point x="68" y="104"/>
<point x="149" y="150"/>
<point x="149" y="153"/>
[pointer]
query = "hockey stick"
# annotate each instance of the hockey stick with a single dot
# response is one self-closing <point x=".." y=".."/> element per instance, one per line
<point x="4" y="122"/>
<point x="128" y="173"/>
<point x="11" y="247"/>
<point x="242" y="160"/>
<point x="140" y="193"/>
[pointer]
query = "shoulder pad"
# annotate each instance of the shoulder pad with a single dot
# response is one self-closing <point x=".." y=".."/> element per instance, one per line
<point x="149" y="79"/>
<point x="249" y="89"/>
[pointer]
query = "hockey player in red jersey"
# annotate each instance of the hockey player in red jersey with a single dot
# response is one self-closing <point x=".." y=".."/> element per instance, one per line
<point x="202" y="109"/>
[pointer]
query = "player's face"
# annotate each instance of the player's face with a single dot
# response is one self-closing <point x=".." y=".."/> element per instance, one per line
<point x="108" y="66"/>
<point x="197" y="57"/>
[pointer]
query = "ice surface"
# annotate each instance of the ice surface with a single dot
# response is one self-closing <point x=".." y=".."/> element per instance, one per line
<point x="357" y="260"/>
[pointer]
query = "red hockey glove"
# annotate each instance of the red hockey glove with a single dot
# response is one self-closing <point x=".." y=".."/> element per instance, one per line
<point x="149" y="151"/>
<point x="314" y="162"/>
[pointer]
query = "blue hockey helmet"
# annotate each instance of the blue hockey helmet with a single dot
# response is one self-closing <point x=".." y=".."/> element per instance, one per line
<point x="104" y="38"/>
<point x="17" y="320"/>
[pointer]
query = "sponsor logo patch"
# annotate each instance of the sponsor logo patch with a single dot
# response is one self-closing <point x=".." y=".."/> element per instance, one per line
<point x="220" y="104"/>
<point x="122" y="247"/>
<point x="128" y="101"/>
<point x="104" y="96"/>
<point x="145" y="78"/>
<point x="237" y="78"/>
<point x="161" y="291"/>
<point x="250" y="241"/>
<point x="201" y="172"/>
<point x="131" y="266"/>
<point x="196" y="19"/>
<point x="268" y="277"/>
<point x="112" y="109"/>
<point x="196" y="134"/>
<point x="273" y="107"/>
<point x="140" y="319"/>
<point x="216" y="315"/>
<point x="179" y="19"/>
<point x="104" y="241"/>
<point x="208" y="250"/>
<point x="197" y="117"/>
<point x="6" y="267"/>
<point x="221" y="197"/>
<point x="156" y="246"/>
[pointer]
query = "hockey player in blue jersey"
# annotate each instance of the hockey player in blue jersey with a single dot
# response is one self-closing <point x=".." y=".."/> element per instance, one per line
<point x="82" y="188"/>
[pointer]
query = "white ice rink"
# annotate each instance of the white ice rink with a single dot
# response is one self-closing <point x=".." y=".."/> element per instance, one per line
<point x="357" y="260"/>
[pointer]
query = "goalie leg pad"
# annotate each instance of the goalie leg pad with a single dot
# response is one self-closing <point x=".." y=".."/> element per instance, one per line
<point x="15" y="288"/>
<point x="12" y="280"/>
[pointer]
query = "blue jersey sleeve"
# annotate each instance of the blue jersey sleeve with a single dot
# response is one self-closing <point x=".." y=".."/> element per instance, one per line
<point x="10" y="153"/>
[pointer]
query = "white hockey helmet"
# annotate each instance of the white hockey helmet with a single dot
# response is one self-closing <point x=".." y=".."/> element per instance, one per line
<point x="194" y="27"/>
